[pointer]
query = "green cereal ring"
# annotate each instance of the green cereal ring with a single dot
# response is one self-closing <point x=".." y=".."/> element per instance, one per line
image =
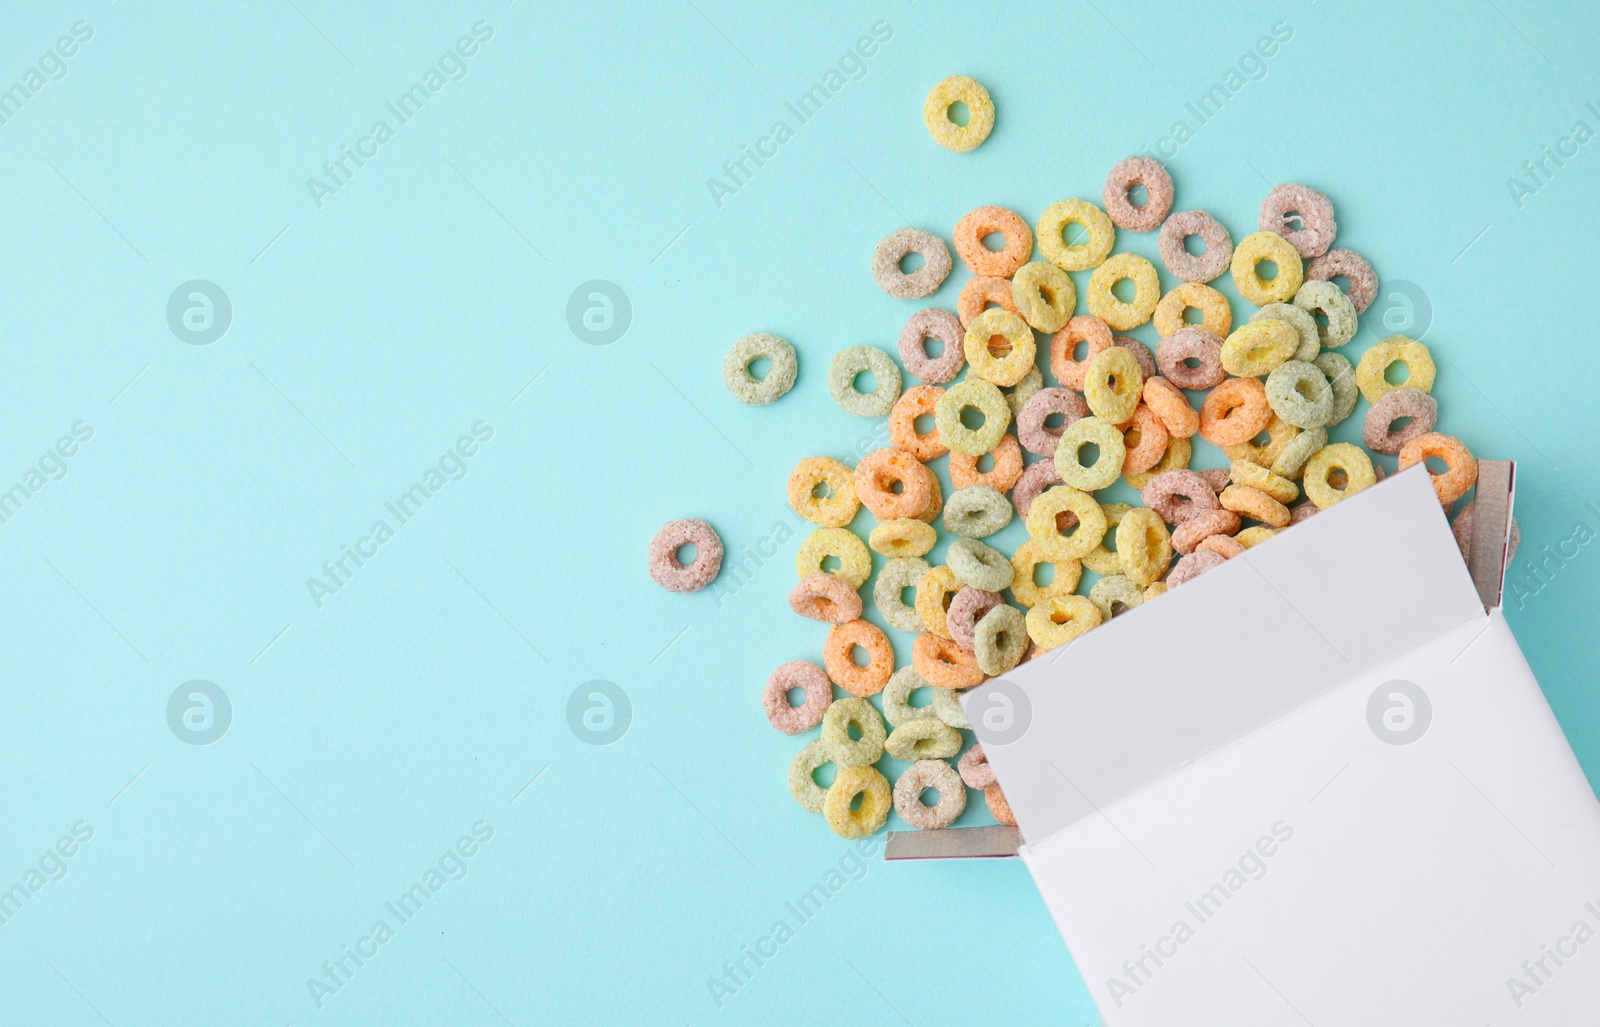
<point x="978" y="565"/>
<point x="896" y="707"/>
<point x="876" y="801"/>
<point x="779" y="378"/>
<point x="1303" y="323"/>
<point x="1329" y="300"/>
<point x="1018" y="395"/>
<point x="984" y="397"/>
<point x="1113" y="591"/>
<point x="802" y="785"/>
<point x="1085" y="255"/>
<point x="1343" y="379"/>
<point x="1259" y="346"/>
<point x="1112" y="384"/>
<point x="1299" y="393"/>
<point x="1103" y="302"/>
<point x="1102" y="560"/>
<point x="1044" y="295"/>
<point x="1011" y="361"/>
<point x="1107" y="466"/>
<point x="947" y="708"/>
<point x="1261" y="246"/>
<point x="976" y="511"/>
<point x="926" y="738"/>
<point x="897" y="575"/>
<point x="843" y="714"/>
<point x="980" y="113"/>
<point x="1395" y="349"/>
<point x="918" y="778"/>
<point x="842" y="381"/>
<point x="1000" y="639"/>
<point x="844" y="545"/>
<point x="1292" y="461"/>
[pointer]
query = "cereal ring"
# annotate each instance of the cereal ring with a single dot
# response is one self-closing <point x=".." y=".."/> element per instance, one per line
<point x="1135" y="171"/>
<point x="1461" y="527"/>
<point x="935" y="502"/>
<point x="986" y="399"/>
<point x="1354" y="268"/>
<point x="1178" y="496"/>
<point x="1216" y="477"/>
<point x="802" y="785"/>
<point x="999" y="808"/>
<point x="1194" y="565"/>
<point x="1291" y="460"/>
<point x="1112" y="385"/>
<point x="1187" y="536"/>
<point x="897" y="708"/>
<point x="1235" y="412"/>
<point x="898" y="575"/>
<point x="1060" y="619"/>
<point x="1168" y="403"/>
<point x="978" y="565"/>
<point x="1093" y="333"/>
<point x="976" y="511"/>
<point x="1107" y="467"/>
<point x="1325" y="298"/>
<point x="1211" y="262"/>
<point x="918" y="778"/>
<point x="1225" y="546"/>
<point x="826" y="598"/>
<point x="779" y="379"/>
<point x="873" y="810"/>
<point x="1081" y="256"/>
<point x="808" y="677"/>
<point x="878" y="473"/>
<point x="842" y="375"/>
<point x="1028" y="592"/>
<point x="1217" y="316"/>
<point x="1374" y="365"/>
<point x="945" y="665"/>
<point x="1018" y="395"/>
<point x="925" y="738"/>
<point x="665" y="568"/>
<point x="1103" y="302"/>
<point x="935" y="592"/>
<point x="1255" y="248"/>
<point x="1299" y="393"/>
<point x="1245" y="472"/>
<point x="942" y="326"/>
<point x="1279" y="434"/>
<point x="1301" y="511"/>
<point x="1038" y="437"/>
<point x="1174" y="353"/>
<point x="1144" y="547"/>
<point x="840" y="717"/>
<point x="1115" y="594"/>
<point x="855" y="563"/>
<point x="925" y="280"/>
<point x="999" y="347"/>
<point x="1101" y="559"/>
<point x="1176" y="459"/>
<point x="1407" y="403"/>
<point x="1145" y="439"/>
<point x="1342" y="377"/>
<point x="1253" y="536"/>
<point x="838" y="504"/>
<point x="902" y="538"/>
<point x="1255" y="504"/>
<point x="974" y="768"/>
<point x="915" y="402"/>
<point x="1154" y="589"/>
<point x="1001" y="476"/>
<point x="1141" y="353"/>
<point x="1302" y="322"/>
<point x="1258" y="347"/>
<point x="980" y="113"/>
<point x="1038" y="477"/>
<point x="976" y="296"/>
<point x="1000" y="640"/>
<point x="972" y="229"/>
<point x="1462" y="469"/>
<point x="1338" y="459"/>
<point x="842" y="668"/>
<point x="1044" y="295"/>
<point x="1291" y="202"/>
<point x="1045" y="524"/>
<point x="947" y="708"/>
<point x="966" y="609"/>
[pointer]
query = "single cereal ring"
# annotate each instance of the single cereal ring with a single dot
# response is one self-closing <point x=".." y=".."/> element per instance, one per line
<point x="1000" y="477"/>
<point x="897" y="575"/>
<point x="1302" y="511"/>
<point x="976" y="511"/>
<point x="1225" y="546"/>
<point x="896" y="696"/>
<point x="1168" y="403"/>
<point x="1216" y="477"/>
<point x="1216" y="314"/>
<point x="938" y="324"/>
<point x="1135" y="171"/>
<point x="1255" y="504"/>
<point x="925" y="738"/>
<point x="902" y="538"/>
<point x="1141" y="353"/>
<point x="980" y="113"/>
<point x="1187" y="536"/>
<point x="976" y="296"/>
<point x="986" y="399"/>
<point x="1000" y="640"/>
<point x="792" y="720"/>
<point x="1258" y="347"/>
<point x="802" y="785"/>
<point x="966" y="609"/>
<point x="1246" y="472"/>
<point x="1145" y="438"/>
<point x="1194" y="565"/>
<point x="1038" y="477"/>
<point x="826" y="598"/>
<point x="918" y="778"/>
<point x="1107" y="466"/>
<point x="999" y="808"/>
<point x="1101" y="559"/>
<point x="1395" y="349"/>
<point x="1177" y="496"/>
<point x="668" y="572"/>
<point x="935" y="592"/>
<point x="947" y="708"/>
<point x="1325" y="298"/>
<point x="878" y="473"/>
<point x="1144" y="547"/>
<point x="1095" y="335"/>
<point x="1017" y="395"/>
<point x="1060" y="619"/>
<point x="1279" y="434"/>
<point x="925" y="280"/>
<point x="945" y="665"/>
<point x="1291" y="460"/>
<point x="974" y="768"/>
<point x="1351" y="266"/>
<point x="935" y="503"/>
<point x="1155" y="589"/>
<point x="1462" y="469"/>
<point x="915" y="402"/>
<point x="1338" y="459"/>
<point x="1211" y="262"/>
<point x="870" y="814"/>
<point x="1115" y="594"/>
<point x="1255" y="248"/>
<point x="1084" y="255"/>
<point x="1038" y="437"/>
<point x="1044" y="295"/>
<point x="1408" y="403"/>
<point x="978" y="565"/>
<point x="1253" y="536"/>
<point x="841" y="716"/>
<point x="999" y="347"/>
<point x="855" y="563"/>
<point x="1026" y="591"/>
<point x="1461" y="527"/>
<point x="1235" y="412"/>
<point x="1175" y="351"/>
<point x="836" y="657"/>
<point x="979" y="258"/>
<point x="842" y="381"/>
<point x="1291" y="202"/>
<point x="1112" y="385"/>
<point x="1342" y="377"/>
<point x="779" y="379"/>
<point x="1046" y="527"/>
<point x="1103" y="303"/>
<point x="1301" y="321"/>
<point x="838" y="504"/>
<point x="1299" y="393"/>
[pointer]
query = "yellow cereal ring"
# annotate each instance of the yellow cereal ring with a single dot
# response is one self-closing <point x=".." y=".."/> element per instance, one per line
<point x="1084" y="255"/>
<point x="903" y="537"/>
<point x="1213" y="307"/>
<point x="980" y="113"/>
<point x="1395" y="349"/>
<point x="1023" y="587"/>
<point x="1462" y="470"/>
<point x="1338" y="459"/>
<point x="1254" y="504"/>
<point x="1113" y="385"/>
<point x="1103" y="303"/>
<point x="1257" y="247"/>
<point x="1279" y="434"/>
<point x="1248" y="472"/>
<point x="1086" y="431"/>
<point x="1046" y="526"/>
<point x="1258" y="347"/>
<point x="1060" y="619"/>
<point x="1000" y="347"/>
<point x="855" y="563"/>
<point x="1144" y="546"/>
<point x="876" y="801"/>
<point x="837" y="505"/>
<point x="1044" y="295"/>
<point x="934" y="593"/>
<point x="1255" y="535"/>
<point x="1176" y="458"/>
<point x="1100" y="559"/>
<point x="1158" y="588"/>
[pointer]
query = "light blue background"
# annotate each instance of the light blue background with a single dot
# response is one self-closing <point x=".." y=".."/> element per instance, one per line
<point x="423" y="297"/>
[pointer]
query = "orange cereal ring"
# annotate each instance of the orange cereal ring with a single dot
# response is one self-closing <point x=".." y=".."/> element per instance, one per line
<point x="1255" y="504"/>
<point x="842" y="670"/>
<point x="977" y="294"/>
<point x="943" y="664"/>
<point x="1186" y="537"/>
<point x="1462" y="470"/>
<point x="1213" y="307"/>
<point x="1087" y="329"/>
<point x="1004" y="474"/>
<point x="999" y="808"/>
<point x="1169" y="403"/>
<point x="1235" y="412"/>
<point x="878" y="473"/>
<point x="980" y="259"/>
<point x="837" y="505"/>
<point x="903" y="435"/>
<point x="935" y="501"/>
<point x="1225" y="546"/>
<point x="1145" y="439"/>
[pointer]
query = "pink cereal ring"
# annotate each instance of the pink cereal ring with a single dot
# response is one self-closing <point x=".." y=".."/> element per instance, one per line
<point x="1377" y="431"/>
<point x="1217" y="257"/>
<point x="1186" y="537"/>
<point x="1194" y="565"/>
<point x="1037" y="437"/>
<point x="1351" y="266"/>
<point x="826" y="597"/>
<point x="792" y="720"/>
<point x="698" y="573"/>
<point x="933" y="323"/>
<point x="1035" y="480"/>
<point x="1135" y="171"/>
<point x="1141" y="353"/>
<point x="974" y="768"/>
<point x="1179" y="495"/>
<point x="1217" y="477"/>
<point x="1311" y="208"/>
<point x="1096" y="335"/>
<point x="1302" y="512"/>
<point x="966" y="610"/>
<point x="1175" y="351"/>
